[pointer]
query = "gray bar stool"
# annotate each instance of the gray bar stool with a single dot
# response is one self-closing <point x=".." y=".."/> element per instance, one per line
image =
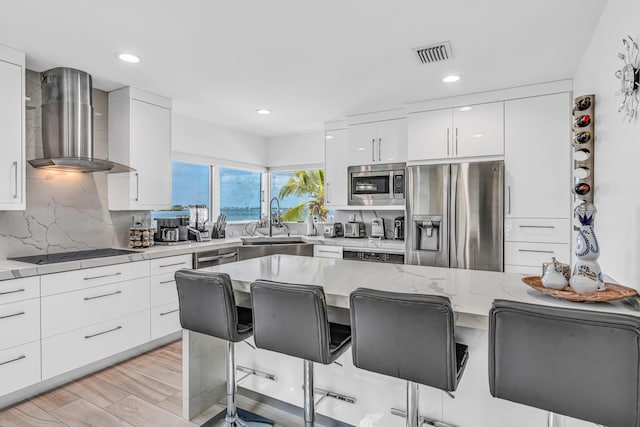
<point x="407" y="336"/>
<point x="208" y="306"/>
<point x="579" y="363"/>
<point x="292" y="319"/>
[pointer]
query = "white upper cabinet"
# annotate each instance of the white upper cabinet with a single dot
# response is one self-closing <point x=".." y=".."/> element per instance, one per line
<point x="140" y="137"/>
<point x="12" y="129"/>
<point x="335" y="168"/>
<point x="378" y="142"/>
<point x="537" y="157"/>
<point x="470" y="131"/>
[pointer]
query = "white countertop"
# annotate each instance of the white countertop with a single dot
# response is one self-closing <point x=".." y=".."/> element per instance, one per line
<point x="10" y="269"/>
<point x="471" y="292"/>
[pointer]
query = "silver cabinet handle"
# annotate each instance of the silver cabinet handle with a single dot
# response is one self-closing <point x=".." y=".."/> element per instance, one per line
<point x="169" y="312"/>
<point x="537" y="226"/>
<point x="327" y="193"/>
<point x="217" y="257"/>
<point x="137" y="186"/>
<point x="536" y="251"/>
<point x="448" y="131"/>
<point x="103" y="276"/>
<point x="167" y="281"/>
<point x="13" y="360"/>
<point x="86" y="337"/>
<point x="12" y="292"/>
<point x="373" y="147"/>
<point x="379" y="145"/>
<point x="12" y="315"/>
<point x="328" y="252"/>
<point x="15" y="169"/>
<point x="509" y="201"/>
<point x="102" y="296"/>
<point x="173" y="265"/>
<point x="456" y="142"/>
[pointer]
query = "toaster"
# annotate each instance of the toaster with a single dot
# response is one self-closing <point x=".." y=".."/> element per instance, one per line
<point x="354" y="229"/>
<point x="333" y="230"/>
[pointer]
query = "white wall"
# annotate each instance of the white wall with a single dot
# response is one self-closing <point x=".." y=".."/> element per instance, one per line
<point x="197" y="138"/>
<point x="617" y="150"/>
<point x="305" y="149"/>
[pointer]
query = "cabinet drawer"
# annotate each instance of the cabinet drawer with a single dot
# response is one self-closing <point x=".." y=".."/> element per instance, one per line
<point x="73" y="310"/>
<point x="165" y="320"/>
<point x="327" y="251"/>
<point x="163" y="289"/>
<point x="19" y="367"/>
<point x="81" y="279"/>
<point x="534" y="254"/>
<point x="19" y="323"/>
<point x="81" y="347"/>
<point x="525" y="270"/>
<point x="169" y="264"/>
<point x="537" y="230"/>
<point x="19" y="289"/>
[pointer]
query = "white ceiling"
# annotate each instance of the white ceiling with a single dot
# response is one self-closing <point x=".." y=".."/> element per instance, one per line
<point x="308" y="61"/>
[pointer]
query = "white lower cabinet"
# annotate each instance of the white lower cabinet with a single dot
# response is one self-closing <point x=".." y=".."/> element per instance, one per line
<point x="327" y="251"/>
<point x="19" y="367"/>
<point x="163" y="289"/>
<point x="165" y="320"/>
<point x="80" y="347"/>
<point x="534" y="254"/>
<point x="72" y="310"/>
<point x="19" y="323"/>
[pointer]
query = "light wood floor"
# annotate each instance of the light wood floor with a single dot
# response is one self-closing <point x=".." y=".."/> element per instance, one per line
<point x="144" y="392"/>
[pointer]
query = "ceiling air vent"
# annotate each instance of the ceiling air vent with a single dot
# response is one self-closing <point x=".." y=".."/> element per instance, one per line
<point x="434" y="53"/>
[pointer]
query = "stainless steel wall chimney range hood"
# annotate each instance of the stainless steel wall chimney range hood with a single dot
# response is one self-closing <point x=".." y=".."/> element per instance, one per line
<point x="67" y="124"/>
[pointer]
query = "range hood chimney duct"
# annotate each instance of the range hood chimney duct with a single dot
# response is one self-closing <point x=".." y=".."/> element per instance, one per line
<point x="67" y="124"/>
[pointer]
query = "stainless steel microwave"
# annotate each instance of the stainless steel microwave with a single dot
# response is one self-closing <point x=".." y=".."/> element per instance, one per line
<point x="376" y="185"/>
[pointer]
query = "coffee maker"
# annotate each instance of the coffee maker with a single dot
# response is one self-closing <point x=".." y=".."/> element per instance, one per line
<point x="398" y="228"/>
<point x="171" y="231"/>
<point x="198" y="218"/>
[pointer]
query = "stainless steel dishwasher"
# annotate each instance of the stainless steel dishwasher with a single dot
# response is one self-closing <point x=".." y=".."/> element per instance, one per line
<point x="212" y="257"/>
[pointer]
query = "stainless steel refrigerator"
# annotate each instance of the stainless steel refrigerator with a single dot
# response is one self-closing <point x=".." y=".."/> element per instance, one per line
<point x="454" y="215"/>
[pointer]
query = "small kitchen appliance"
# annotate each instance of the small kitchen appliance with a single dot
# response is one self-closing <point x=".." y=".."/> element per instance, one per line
<point x="198" y="218"/>
<point x="398" y="228"/>
<point x="376" y="185"/>
<point x="333" y="230"/>
<point x="171" y="231"/>
<point x="377" y="228"/>
<point x="354" y="229"/>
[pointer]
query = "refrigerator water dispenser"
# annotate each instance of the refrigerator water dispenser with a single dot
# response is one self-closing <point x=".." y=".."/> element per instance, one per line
<point x="427" y="232"/>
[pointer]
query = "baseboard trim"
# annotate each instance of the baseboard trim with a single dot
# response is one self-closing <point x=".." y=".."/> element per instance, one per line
<point x="289" y="408"/>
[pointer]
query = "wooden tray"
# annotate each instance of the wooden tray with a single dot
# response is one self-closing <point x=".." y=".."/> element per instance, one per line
<point x="612" y="292"/>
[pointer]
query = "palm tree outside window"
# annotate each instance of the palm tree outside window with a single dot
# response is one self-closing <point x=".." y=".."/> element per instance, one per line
<point x="300" y="192"/>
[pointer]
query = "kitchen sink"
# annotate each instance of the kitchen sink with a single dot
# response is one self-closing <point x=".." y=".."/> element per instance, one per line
<point x="266" y="240"/>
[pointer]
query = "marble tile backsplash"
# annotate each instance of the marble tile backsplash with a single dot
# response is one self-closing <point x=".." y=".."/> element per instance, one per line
<point x="65" y="211"/>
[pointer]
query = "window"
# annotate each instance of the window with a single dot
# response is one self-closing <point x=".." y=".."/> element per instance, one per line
<point x="240" y="194"/>
<point x="298" y="192"/>
<point x="191" y="185"/>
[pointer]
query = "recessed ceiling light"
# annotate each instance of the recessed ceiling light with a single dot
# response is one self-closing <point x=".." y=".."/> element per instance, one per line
<point x="479" y="135"/>
<point x="263" y="111"/>
<point x="129" y="57"/>
<point x="328" y="137"/>
<point x="451" y="78"/>
<point x="467" y="108"/>
<point x="360" y="149"/>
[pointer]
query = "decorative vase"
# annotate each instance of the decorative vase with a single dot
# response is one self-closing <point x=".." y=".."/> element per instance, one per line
<point x="587" y="275"/>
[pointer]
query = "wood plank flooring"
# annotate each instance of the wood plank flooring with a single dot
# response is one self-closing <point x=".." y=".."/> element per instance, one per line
<point x="145" y="391"/>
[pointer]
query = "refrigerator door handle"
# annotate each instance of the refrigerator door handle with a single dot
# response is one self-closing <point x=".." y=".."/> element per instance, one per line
<point x="453" y="229"/>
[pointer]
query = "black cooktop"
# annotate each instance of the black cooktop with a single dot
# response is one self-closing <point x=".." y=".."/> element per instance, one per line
<point x="71" y="256"/>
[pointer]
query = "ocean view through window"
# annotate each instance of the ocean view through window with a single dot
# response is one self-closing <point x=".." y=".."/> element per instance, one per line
<point x="240" y="194"/>
<point x="191" y="184"/>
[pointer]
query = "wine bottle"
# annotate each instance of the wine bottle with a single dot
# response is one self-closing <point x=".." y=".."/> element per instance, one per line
<point x="582" y="104"/>
<point x="582" y="121"/>
<point x="582" y="189"/>
<point x="582" y="137"/>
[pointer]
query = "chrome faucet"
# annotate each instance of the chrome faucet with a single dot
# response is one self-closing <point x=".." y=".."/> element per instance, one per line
<point x="273" y="220"/>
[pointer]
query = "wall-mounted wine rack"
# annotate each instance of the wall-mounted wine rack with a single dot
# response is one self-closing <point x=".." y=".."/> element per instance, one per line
<point x="583" y="147"/>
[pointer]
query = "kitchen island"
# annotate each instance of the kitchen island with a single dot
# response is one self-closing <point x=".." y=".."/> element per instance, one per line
<point x="471" y="294"/>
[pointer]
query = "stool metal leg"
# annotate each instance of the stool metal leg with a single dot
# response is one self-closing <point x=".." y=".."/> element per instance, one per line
<point x="232" y="413"/>
<point x="309" y="398"/>
<point x="413" y="417"/>
<point x="556" y="420"/>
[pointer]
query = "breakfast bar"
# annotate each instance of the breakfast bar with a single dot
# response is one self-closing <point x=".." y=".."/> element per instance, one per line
<point x="471" y="294"/>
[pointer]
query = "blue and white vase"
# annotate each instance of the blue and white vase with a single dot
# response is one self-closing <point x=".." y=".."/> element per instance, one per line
<point x="587" y="275"/>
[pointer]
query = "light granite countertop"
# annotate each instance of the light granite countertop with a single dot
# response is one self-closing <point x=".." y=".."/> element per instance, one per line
<point x="10" y="269"/>
<point x="471" y="291"/>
